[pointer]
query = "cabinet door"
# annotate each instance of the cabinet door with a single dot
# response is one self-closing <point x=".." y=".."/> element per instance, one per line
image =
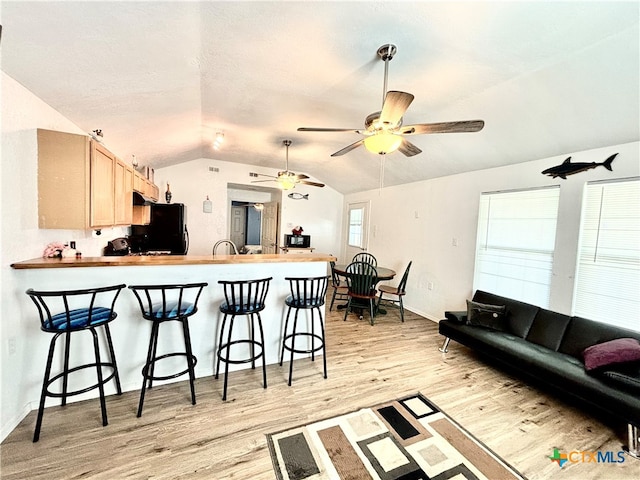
<point x="102" y="186"/>
<point x="63" y="180"/>
<point x="123" y="183"/>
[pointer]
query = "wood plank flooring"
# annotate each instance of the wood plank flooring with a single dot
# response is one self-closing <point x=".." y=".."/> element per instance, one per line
<point x="367" y="365"/>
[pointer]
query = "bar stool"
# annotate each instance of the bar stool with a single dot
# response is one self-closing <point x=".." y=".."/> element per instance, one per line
<point x="242" y="297"/>
<point x="306" y="294"/>
<point x="165" y="303"/>
<point x="81" y="310"/>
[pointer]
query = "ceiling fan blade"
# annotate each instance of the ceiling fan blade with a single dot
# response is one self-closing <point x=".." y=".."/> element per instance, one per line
<point x="408" y="149"/>
<point x="313" y="184"/>
<point x="443" y="127"/>
<point x="302" y="176"/>
<point x="320" y="129"/>
<point x="348" y="148"/>
<point x="260" y="181"/>
<point x="395" y="104"/>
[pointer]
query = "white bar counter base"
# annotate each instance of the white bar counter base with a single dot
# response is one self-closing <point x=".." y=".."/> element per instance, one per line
<point x="131" y="332"/>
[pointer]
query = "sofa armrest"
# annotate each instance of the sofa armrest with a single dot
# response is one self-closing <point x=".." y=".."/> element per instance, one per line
<point x="459" y="316"/>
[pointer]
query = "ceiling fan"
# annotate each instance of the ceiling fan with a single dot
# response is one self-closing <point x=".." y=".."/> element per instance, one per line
<point x="287" y="179"/>
<point x="384" y="132"/>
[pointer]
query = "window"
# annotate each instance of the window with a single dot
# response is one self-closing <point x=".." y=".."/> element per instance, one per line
<point x="515" y="243"/>
<point x="607" y="286"/>
<point x="356" y="227"/>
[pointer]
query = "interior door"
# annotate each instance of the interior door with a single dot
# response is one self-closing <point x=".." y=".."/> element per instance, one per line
<point x="269" y="236"/>
<point x="357" y="228"/>
<point x="238" y="223"/>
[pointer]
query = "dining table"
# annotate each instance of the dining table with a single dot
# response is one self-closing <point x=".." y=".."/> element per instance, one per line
<point x="383" y="274"/>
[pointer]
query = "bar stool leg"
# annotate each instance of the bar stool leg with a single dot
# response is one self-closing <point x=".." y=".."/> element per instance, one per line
<point x="313" y="331"/>
<point x="252" y="345"/>
<point x="286" y="326"/>
<point x="224" y="322"/>
<point x="324" y="347"/>
<point x="187" y="343"/>
<point x="293" y="343"/>
<point x="45" y="385"/>
<point x="226" y="363"/>
<point x="103" y="403"/>
<point x="152" y="367"/>
<point x="65" y="377"/>
<point x="112" y="355"/>
<point x="148" y="365"/>
<point x="264" y="361"/>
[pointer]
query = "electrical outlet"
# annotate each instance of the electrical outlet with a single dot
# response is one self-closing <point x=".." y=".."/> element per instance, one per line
<point x="12" y="345"/>
<point x="454" y="241"/>
<point x="430" y="286"/>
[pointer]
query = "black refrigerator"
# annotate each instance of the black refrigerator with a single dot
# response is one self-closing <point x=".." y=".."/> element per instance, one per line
<point x="167" y="231"/>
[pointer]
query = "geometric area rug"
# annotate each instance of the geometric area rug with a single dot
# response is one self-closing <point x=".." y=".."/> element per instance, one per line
<point x="409" y="439"/>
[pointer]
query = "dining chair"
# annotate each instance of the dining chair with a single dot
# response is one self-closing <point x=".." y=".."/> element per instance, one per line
<point x="365" y="257"/>
<point x="340" y="288"/>
<point x="396" y="293"/>
<point x="361" y="280"/>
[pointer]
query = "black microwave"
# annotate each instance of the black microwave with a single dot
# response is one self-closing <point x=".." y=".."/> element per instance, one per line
<point x="297" y="241"/>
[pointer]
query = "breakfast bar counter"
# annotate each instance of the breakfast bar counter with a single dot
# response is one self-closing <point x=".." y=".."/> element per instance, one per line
<point x="131" y="332"/>
<point x="147" y="260"/>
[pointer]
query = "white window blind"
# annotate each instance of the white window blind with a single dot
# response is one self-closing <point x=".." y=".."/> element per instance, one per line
<point x="607" y="287"/>
<point x="515" y="244"/>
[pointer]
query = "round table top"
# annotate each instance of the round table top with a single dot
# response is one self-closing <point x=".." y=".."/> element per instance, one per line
<point x="383" y="273"/>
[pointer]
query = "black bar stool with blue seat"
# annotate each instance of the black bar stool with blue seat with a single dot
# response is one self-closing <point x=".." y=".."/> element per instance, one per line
<point x="165" y="303"/>
<point x="242" y="297"/>
<point x="79" y="310"/>
<point x="306" y="294"/>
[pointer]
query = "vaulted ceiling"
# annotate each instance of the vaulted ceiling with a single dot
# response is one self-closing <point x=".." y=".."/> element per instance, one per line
<point x="161" y="78"/>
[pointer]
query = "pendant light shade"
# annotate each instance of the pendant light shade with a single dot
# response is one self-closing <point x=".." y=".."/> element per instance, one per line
<point x="382" y="142"/>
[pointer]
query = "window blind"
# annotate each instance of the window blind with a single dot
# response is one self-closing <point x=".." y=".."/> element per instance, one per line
<point x="607" y="286"/>
<point x="515" y="243"/>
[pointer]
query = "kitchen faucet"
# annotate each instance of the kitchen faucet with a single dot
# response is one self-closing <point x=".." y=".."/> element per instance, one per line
<point x="229" y="242"/>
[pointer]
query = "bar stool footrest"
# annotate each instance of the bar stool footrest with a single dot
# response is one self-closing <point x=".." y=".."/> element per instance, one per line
<point x="106" y="379"/>
<point x="309" y="350"/>
<point x="145" y="369"/>
<point x="226" y="346"/>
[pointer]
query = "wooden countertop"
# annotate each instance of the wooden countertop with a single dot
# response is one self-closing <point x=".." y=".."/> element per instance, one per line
<point x="150" y="260"/>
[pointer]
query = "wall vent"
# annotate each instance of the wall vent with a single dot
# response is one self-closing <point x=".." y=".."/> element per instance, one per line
<point x="214" y="169"/>
<point x="252" y="174"/>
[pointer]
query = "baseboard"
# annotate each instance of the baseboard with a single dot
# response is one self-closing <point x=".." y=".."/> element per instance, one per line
<point x="8" y="427"/>
<point x="422" y="314"/>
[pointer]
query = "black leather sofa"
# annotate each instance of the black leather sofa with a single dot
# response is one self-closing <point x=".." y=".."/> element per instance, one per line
<point x="547" y="348"/>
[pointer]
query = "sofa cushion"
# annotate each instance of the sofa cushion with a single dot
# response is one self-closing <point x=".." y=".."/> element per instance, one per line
<point x="488" y="316"/>
<point x="620" y="350"/>
<point x="519" y="315"/>
<point x="548" y="328"/>
<point x="582" y="333"/>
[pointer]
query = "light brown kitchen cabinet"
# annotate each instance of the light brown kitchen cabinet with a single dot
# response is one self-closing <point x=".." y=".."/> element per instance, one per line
<point x="102" y="186"/>
<point x="123" y="193"/>
<point x="81" y="184"/>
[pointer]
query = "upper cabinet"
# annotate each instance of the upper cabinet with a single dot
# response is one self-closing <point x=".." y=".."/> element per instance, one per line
<point x="81" y="184"/>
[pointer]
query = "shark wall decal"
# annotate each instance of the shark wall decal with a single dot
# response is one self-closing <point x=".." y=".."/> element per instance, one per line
<point x="568" y="168"/>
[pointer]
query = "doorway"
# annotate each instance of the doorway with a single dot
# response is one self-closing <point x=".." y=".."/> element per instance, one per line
<point x="254" y="218"/>
<point x="357" y="227"/>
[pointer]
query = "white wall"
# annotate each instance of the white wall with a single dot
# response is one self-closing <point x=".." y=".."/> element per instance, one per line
<point x="22" y="114"/>
<point x="419" y="221"/>
<point x="192" y="182"/>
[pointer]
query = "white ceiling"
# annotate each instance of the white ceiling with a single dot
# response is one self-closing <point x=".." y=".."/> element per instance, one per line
<point x="160" y="78"/>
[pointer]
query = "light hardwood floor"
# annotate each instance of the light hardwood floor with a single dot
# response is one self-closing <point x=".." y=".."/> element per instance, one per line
<point x="367" y="365"/>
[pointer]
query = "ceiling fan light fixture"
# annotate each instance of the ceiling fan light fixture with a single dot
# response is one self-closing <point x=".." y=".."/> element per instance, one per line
<point x="382" y="142"/>
<point x="286" y="182"/>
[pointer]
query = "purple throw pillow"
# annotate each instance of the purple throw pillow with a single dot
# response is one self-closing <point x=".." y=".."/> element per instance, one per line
<point x="620" y="350"/>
